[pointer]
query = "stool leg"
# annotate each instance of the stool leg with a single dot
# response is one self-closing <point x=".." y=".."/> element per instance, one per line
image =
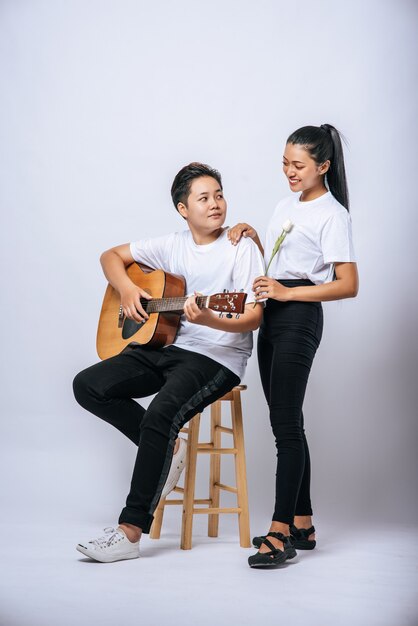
<point x="155" y="531"/>
<point x="215" y="468"/>
<point x="189" y="483"/>
<point x="240" y="470"/>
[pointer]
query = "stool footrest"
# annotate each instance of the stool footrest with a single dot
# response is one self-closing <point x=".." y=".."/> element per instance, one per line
<point x="177" y="501"/>
<point x="209" y="448"/>
<point x="226" y="488"/>
<point x="224" y="429"/>
<point x="213" y="510"/>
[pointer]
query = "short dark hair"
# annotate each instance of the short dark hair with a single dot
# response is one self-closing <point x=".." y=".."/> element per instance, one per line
<point x="180" y="189"/>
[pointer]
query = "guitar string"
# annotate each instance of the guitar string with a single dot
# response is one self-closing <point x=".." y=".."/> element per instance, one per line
<point x="173" y="303"/>
<point x="183" y="299"/>
<point x="168" y="303"/>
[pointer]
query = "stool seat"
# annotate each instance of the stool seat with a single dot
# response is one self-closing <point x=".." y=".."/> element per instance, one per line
<point x="215" y="449"/>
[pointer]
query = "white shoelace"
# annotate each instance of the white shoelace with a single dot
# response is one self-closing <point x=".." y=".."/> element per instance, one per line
<point x="108" y="539"/>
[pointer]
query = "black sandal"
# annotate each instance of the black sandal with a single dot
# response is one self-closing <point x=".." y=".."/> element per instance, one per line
<point x="275" y="556"/>
<point x="298" y="537"/>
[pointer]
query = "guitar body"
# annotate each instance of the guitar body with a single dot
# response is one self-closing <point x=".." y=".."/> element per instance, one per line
<point x="159" y="330"/>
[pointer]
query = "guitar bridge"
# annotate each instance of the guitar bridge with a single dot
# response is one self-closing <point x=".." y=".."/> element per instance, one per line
<point x="120" y="318"/>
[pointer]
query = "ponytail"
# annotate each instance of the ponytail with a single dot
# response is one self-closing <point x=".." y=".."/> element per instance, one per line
<point x="324" y="143"/>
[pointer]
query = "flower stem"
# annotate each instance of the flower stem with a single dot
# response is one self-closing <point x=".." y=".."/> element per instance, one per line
<point x="277" y="245"/>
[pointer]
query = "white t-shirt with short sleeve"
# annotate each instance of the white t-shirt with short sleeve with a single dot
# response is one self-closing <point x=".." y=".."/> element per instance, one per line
<point x="207" y="269"/>
<point x="321" y="236"/>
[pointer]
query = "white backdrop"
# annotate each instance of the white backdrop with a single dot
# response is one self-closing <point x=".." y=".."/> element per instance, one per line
<point x="101" y="103"/>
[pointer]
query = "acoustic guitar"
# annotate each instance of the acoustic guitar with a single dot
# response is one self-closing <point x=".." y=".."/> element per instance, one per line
<point x="116" y="332"/>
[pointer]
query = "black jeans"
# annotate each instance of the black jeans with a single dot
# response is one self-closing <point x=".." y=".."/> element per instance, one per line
<point x="185" y="383"/>
<point x="288" y="339"/>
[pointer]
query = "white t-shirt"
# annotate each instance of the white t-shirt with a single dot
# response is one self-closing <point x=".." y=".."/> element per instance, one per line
<point x="207" y="269"/>
<point x="321" y="236"/>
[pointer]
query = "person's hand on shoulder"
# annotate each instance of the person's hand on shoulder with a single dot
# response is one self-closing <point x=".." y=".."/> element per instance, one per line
<point x="242" y="229"/>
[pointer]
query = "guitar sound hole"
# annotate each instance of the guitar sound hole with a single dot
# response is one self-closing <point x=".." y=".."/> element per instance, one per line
<point x="130" y="328"/>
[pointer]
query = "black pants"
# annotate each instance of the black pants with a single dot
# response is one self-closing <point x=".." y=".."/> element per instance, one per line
<point x="185" y="383"/>
<point x="287" y="343"/>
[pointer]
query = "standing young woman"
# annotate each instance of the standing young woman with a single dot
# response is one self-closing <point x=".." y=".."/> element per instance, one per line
<point x="315" y="263"/>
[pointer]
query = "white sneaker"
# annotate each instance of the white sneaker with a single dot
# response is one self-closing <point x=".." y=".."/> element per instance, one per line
<point x="176" y="468"/>
<point x="113" y="546"/>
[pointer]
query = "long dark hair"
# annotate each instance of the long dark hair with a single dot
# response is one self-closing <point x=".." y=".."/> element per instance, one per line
<point x="323" y="143"/>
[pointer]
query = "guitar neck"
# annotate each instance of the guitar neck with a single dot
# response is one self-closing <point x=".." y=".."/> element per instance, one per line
<point x="161" y="305"/>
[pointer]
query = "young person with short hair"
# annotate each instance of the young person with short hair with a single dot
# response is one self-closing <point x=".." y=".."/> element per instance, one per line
<point x="315" y="262"/>
<point x="206" y="360"/>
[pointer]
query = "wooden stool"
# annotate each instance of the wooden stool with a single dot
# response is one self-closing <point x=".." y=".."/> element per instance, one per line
<point x="215" y="486"/>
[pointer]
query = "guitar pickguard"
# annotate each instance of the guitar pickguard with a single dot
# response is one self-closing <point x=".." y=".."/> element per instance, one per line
<point x="130" y="327"/>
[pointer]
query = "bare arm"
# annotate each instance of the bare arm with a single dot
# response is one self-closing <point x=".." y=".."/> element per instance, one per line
<point x="249" y="320"/>
<point x="244" y="230"/>
<point x="114" y="263"/>
<point x="345" y="286"/>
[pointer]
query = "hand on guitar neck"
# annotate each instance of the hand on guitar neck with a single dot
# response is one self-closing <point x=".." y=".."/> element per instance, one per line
<point x="196" y="314"/>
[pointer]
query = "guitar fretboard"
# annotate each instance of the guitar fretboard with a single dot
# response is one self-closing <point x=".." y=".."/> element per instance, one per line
<point x="159" y="305"/>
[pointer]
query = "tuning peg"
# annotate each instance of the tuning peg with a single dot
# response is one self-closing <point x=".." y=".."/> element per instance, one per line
<point x="226" y="291"/>
<point x="220" y="315"/>
<point x="237" y="316"/>
<point x="229" y="315"/>
<point x="241" y="290"/>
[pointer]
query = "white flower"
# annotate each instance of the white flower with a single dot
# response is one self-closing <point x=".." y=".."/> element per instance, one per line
<point x="287" y="226"/>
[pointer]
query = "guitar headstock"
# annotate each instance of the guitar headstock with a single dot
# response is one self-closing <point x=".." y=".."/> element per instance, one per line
<point x="228" y="302"/>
